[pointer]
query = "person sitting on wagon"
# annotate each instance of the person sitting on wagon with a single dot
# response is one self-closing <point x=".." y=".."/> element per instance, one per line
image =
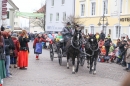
<point x="58" y="37"/>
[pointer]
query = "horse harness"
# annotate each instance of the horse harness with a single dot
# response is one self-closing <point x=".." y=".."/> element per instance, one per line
<point x="92" y="50"/>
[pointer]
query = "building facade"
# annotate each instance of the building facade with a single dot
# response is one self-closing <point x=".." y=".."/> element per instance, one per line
<point x="90" y="12"/>
<point x="11" y="8"/>
<point x="56" y="13"/>
<point x="0" y="12"/>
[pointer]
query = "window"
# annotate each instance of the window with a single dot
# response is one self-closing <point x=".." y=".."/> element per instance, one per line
<point x="118" y="31"/>
<point x="82" y="9"/>
<point x="93" y="7"/>
<point x="51" y="16"/>
<point x="104" y="29"/>
<point x="92" y="29"/>
<point x="7" y="14"/>
<point x="105" y="7"/>
<point x="63" y="1"/>
<point x="64" y="16"/>
<point x="52" y="2"/>
<point x="120" y="6"/>
<point x="57" y="16"/>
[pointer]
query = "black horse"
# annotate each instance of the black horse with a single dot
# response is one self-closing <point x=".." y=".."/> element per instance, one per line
<point x="92" y="51"/>
<point x="73" y="49"/>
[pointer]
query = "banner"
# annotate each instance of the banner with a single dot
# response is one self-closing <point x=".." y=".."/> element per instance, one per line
<point x="29" y="15"/>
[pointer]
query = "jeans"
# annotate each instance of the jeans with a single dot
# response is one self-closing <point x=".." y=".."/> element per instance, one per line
<point x="7" y="65"/>
<point x="129" y="66"/>
<point x="13" y="60"/>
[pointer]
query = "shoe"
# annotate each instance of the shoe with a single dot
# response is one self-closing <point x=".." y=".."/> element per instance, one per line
<point x="24" y="68"/>
<point x="15" y="66"/>
<point x="9" y="76"/>
<point x="37" y="58"/>
<point x="126" y="69"/>
<point x="10" y="73"/>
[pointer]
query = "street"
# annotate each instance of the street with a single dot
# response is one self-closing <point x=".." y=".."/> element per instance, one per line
<point x="44" y="72"/>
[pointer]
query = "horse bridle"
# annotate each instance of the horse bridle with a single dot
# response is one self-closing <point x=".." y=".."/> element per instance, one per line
<point x="72" y="42"/>
<point x="92" y="50"/>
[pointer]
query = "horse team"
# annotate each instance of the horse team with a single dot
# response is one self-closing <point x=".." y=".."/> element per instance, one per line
<point x="74" y="49"/>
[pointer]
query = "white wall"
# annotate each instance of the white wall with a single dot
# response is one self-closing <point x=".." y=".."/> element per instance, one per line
<point x="54" y="25"/>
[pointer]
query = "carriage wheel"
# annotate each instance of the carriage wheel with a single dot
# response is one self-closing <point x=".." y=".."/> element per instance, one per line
<point x="60" y="56"/>
<point x="51" y="53"/>
<point x="82" y="60"/>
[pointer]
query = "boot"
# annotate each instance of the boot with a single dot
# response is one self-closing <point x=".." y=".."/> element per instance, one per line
<point x="37" y="57"/>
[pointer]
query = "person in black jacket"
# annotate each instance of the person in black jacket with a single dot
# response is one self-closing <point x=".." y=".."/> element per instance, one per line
<point x="2" y="28"/>
<point x="9" y="45"/>
<point x="102" y="35"/>
<point x="107" y="47"/>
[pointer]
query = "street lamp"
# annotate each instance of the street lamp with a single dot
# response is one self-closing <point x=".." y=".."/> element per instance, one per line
<point x="103" y="19"/>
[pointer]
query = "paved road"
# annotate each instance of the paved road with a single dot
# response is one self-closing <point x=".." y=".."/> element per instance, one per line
<point x="44" y="72"/>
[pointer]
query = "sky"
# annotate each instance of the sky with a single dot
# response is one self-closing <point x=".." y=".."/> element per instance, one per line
<point x="28" y="6"/>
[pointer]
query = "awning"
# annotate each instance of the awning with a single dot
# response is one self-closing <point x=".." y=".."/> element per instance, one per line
<point x="29" y="15"/>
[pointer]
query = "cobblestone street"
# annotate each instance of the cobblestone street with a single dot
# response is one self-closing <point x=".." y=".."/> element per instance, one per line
<point x="44" y="72"/>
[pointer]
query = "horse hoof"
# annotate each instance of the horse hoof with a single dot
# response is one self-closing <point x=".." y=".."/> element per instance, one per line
<point x="94" y="73"/>
<point x="73" y="72"/>
<point x="90" y="72"/>
<point x="67" y="67"/>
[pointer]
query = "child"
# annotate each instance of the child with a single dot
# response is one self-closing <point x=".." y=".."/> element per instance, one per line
<point x="102" y="54"/>
<point x="14" y="54"/>
<point x="111" y="52"/>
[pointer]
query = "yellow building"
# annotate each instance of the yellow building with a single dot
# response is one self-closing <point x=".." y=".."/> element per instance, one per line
<point x="90" y="11"/>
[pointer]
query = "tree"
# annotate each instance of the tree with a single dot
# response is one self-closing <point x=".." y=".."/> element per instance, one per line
<point x="74" y="20"/>
<point x="37" y="22"/>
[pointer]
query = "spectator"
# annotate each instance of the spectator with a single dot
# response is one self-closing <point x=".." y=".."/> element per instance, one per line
<point x="24" y="50"/>
<point x="14" y="55"/>
<point x="101" y="43"/>
<point x="2" y="60"/>
<point x="97" y="36"/>
<point x="102" y="35"/>
<point x="107" y="47"/>
<point x="118" y="43"/>
<point x="9" y="46"/>
<point x="2" y="28"/>
<point x="128" y="56"/>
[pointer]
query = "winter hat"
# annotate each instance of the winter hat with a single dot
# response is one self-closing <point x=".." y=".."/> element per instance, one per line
<point x="14" y="35"/>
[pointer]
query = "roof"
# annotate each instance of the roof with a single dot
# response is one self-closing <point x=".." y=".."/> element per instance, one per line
<point x="42" y="9"/>
<point x="13" y="5"/>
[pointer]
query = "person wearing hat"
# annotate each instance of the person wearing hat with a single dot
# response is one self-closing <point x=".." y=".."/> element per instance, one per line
<point x="67" y="32"/>
<point x="14" y="54"/>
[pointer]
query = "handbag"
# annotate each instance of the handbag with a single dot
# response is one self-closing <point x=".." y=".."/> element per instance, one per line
<point x="38" y="48"/>
<point x="2" y="56"/>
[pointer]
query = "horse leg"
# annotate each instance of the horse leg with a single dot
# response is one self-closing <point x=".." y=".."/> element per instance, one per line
<point x="77" y="64"/>
<point x="67" y="61"/>
<point x="88" y="62"/>
<point x="95" y="63"/>
<point x="73" y="65"/>
<point x="91" y="64"/>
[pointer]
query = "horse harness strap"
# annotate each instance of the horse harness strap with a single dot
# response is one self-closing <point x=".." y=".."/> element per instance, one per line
<point x="73" y="45"/>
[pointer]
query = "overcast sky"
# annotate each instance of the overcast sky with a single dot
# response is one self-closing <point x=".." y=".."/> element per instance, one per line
<point x="28" y="6"/>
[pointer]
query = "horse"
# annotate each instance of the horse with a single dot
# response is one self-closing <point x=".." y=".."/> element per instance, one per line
<point x="73" y="49"/>
<point x="92" y="51"/>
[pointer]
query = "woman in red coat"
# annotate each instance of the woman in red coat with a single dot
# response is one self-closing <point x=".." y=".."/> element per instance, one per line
<point x="37" y="40"/>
